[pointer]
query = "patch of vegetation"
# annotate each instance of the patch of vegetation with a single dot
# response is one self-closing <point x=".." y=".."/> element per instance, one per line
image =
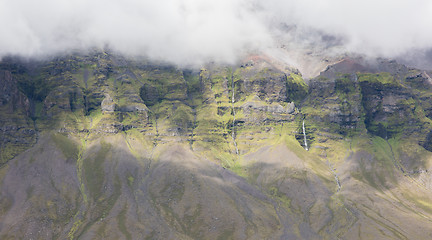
<point x="75" y="227"/>
<point x="275" y="193"/>
<point x="344" y="85"/>
<point x="130" y="181"/>
<point x="182" y="117"/>
<point x="382" y="78"/>
<point x="297" y="89"/>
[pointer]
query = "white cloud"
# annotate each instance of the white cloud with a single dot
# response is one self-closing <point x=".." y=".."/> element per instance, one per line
<point x="193" y="31"/>
<point x="181" y="31"/>
<point x="383" y="27"/>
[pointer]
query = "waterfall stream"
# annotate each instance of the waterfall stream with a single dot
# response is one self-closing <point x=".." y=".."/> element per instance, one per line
<point x="234" y="119"/>
<point x="333" y="171"/>
<point x="304" y="135"/>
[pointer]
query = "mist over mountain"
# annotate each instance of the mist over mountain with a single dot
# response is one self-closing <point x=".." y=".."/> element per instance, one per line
<point x="241" y="119"/>
<point x="194" y="32"/>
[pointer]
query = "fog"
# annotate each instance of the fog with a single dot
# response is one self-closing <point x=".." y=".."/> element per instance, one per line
<point x="196" y="31"/>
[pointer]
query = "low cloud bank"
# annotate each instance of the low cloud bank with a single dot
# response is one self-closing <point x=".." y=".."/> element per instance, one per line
<point x="196" y="31"/>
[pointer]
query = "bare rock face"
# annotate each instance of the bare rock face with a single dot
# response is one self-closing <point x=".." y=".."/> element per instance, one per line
<point x="16" y="128"/>
<point x="11" y="96"/>
<point x="335" y="102"/>
<point x="63" y="99"/>
<point x="149" y="94"/>
<point x="388" y="106"/>
<point x="386" y="99"/>
<point x="268" y="84"/>
<point x="108" y="104"/>
<point x="257" y="111"/>
<point x="290" y="108"/>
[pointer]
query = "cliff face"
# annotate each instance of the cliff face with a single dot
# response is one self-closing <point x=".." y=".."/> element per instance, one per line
<point x="16" y="127"/>
<point x="104" y="147"/>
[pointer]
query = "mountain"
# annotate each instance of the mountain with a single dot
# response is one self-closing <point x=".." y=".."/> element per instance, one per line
<point x="101" y="146"/>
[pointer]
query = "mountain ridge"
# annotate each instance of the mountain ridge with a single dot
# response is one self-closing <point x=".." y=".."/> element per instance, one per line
<point x="126" y="149"/>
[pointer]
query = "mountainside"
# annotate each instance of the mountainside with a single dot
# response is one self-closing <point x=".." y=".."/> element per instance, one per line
<point x="100" y="146"/>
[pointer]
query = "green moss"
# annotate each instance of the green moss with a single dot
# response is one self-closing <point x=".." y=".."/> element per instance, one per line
<point x="182" y="116"/>
<point x="93" y="119"/>
<point x="275" y="193"/>
<point x="232" y="162"/>
<point x="10" y="151"/>
<point x="382" y="78"/>
<point x="344" y="85"/>
<point x="130" y="181"/>
<point x="77" y="224"/>
<point x="297" y="89"/>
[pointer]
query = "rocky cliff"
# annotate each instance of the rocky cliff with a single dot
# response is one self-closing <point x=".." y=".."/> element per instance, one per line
<point x="100" y="146"/>
<point x="16" y="126"/>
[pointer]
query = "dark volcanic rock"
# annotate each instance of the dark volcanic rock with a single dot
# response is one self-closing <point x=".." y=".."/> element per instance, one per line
<point x="388" y="98"/>
<point x="335" y="103"/>
<point x="10" y="95"/>
<point x="17" y="131"/>
<point x="64" y="99"/>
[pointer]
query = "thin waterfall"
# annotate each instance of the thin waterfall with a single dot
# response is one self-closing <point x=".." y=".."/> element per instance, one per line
<point x="355" y="77"/>
<point x="333" y="170"/>
<point x="234" y="119"/>
<point x="304" y="135"/>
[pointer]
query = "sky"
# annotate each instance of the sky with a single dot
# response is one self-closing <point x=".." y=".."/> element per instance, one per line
<point x="196" y="31"/>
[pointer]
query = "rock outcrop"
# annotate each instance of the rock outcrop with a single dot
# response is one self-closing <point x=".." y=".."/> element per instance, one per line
<point x="17" y="131"/>
<point x="356" y="97"/>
